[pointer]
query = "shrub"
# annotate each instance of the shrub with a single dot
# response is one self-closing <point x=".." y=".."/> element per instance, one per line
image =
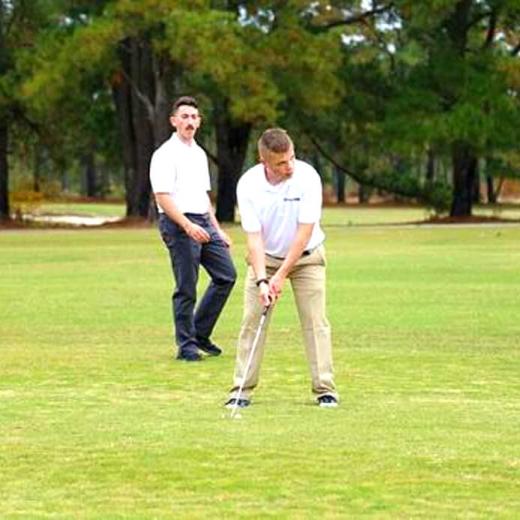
<point x="23" y="202"/>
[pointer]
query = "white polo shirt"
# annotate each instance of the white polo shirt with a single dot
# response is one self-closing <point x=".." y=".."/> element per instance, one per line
<point x="276" y="210"/>
<point x="182" y="171"/>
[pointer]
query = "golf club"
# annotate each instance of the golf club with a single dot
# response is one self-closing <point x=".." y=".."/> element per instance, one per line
<point x="249" y="361"/>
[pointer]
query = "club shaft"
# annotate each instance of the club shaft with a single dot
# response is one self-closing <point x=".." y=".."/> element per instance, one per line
<point x="248" y="363"/>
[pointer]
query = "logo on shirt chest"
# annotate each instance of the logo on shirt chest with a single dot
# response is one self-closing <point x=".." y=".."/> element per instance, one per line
<point x="291" y="199"/>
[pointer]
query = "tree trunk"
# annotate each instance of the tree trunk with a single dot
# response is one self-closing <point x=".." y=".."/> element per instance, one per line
<point x="494" y="181"/>
<point x="121" y="94"/>
<point x="132" y="88"/>
<point x="142" y="73"/>
<point x="159" y="114"/>
<point x="4" y="129"/>
<point x="491" y="194"/>
<point x="363" y="194"/>
<point x="162" y="128"/>
<point x="464" y="161"/>
<point x="91" y="184"/>
<point x="4" y="174"/>
<point x="64" y="177"/>
<point x="340" y="185"/>
<point x="464" y="171"/>
<point x="430" y="166"/>
<point x="477" y="198"/>
<point x="37" y="169"/>
<point x="232" y="142"/>
<point x="103" y="180"/>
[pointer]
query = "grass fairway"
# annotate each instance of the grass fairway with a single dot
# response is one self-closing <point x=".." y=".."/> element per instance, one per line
<point x="98" y="421"/>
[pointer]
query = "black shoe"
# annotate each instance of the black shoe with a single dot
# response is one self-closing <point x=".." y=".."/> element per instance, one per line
<point x="242" y="403"/>
<point x="209" y="348"/>
<point x="327" y="401"/>
<point x="189" y="355"/>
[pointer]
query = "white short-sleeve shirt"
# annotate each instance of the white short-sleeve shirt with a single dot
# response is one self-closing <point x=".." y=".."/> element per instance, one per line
<point x="276" y="210"/>
<point x="182" y="171"/>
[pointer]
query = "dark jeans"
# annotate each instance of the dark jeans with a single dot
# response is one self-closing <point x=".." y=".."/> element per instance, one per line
<point x="194" y="326"/>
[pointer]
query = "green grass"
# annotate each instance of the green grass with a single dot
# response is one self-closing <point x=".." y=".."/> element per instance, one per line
<point x="366" y="215"/>
<point x="505" y="211"/>
<point x="98" y="421"/>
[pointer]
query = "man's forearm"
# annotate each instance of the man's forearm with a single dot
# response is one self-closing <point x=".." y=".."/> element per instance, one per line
<point x="170" y="208"/>
<point x="193" y="230"/>
<point x="256" y="253"/>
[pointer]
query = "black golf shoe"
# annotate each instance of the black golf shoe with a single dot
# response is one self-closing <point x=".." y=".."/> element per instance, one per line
<point x="189" y="355"/>
<point x="209" y="348"/>
<point x="327" y="401"/>
<point x="242" y="403"/>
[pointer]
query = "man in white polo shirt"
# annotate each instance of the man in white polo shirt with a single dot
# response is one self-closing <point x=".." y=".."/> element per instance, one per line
<point x="280" y="208"/>
<point x="180" y="181"/>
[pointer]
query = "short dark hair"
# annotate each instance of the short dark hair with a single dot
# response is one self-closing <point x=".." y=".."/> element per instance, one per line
<point x="184" y="100"/>
<point x="275" y="140"/>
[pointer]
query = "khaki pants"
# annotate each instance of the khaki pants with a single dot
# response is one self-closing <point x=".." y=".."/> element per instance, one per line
<point x="307" y="279"/>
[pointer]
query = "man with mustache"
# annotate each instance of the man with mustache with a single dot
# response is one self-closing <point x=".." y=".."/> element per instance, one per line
<point x="180" y="181"/>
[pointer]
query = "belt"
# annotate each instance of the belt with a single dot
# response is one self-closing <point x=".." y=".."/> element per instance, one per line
<point x="307" y="252"/>
<point x="197" y="215"/>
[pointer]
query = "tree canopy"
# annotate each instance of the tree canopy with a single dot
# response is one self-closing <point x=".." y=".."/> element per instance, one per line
<point x="407" y="97"/>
